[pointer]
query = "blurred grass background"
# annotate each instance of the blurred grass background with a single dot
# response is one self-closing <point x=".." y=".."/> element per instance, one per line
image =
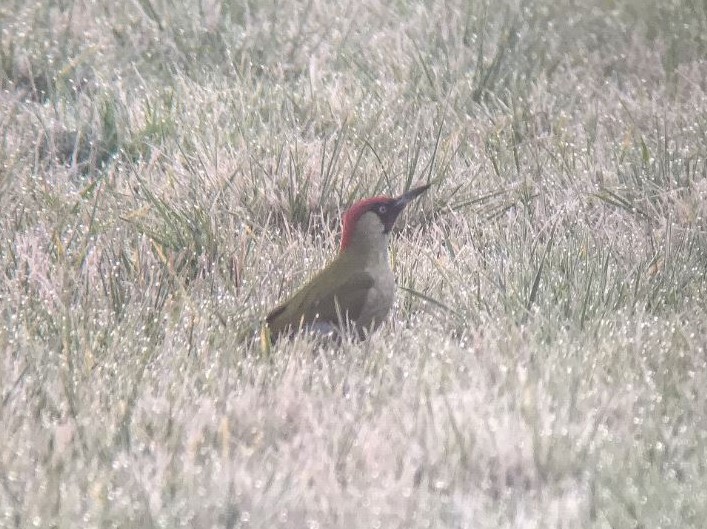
<point x="171" y="170"/>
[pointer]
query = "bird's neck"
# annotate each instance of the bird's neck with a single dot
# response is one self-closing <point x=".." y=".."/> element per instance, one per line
<point x="369" y="253"/>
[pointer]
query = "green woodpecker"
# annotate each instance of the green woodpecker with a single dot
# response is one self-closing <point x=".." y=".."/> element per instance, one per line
<point x="358" y="286"/>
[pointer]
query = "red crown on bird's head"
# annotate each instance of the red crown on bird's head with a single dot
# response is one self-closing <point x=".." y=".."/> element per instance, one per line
<point x="354" y="213"/>
<point x="387" y="209"/>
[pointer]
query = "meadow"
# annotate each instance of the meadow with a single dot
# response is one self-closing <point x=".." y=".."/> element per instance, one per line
<point x="170" y="171"/>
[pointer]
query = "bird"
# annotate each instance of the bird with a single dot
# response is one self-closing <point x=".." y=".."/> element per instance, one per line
<point x="356" y="289"/>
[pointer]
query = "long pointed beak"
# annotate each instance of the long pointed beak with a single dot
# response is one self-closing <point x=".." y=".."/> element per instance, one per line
<point x="405" y="198"/>
<point x="399" y="205"/>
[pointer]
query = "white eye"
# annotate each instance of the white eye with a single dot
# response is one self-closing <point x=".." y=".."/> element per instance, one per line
<point x="382" y="209"/>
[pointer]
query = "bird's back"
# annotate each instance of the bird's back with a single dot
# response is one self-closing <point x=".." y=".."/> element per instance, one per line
<point x="338" y="291"/>
<point x="349" y="290"/>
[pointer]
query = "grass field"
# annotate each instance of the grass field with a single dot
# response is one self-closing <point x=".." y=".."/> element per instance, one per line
<point x="171" y="170"/>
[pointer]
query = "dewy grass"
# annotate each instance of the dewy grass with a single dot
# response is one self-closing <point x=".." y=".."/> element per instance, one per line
<point x="544" y="364"/>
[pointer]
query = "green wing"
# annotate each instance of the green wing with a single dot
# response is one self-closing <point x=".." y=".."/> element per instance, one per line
<point x="319" y="301"/>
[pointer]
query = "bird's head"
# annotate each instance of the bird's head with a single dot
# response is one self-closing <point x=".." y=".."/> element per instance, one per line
<point x="369" y="221"/>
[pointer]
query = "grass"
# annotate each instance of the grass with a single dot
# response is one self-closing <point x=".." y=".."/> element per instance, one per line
<point x="170" y="172"/>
